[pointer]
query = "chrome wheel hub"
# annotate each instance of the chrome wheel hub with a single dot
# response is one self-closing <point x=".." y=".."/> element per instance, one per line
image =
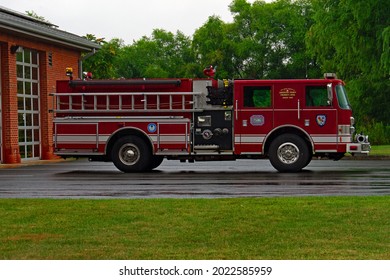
<point x="288" y="153"/>
<point x="129" y="154"/>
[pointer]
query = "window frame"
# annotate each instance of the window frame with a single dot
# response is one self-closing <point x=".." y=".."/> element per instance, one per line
<point x="309" y="96"/>
<point x="250" y="102"/>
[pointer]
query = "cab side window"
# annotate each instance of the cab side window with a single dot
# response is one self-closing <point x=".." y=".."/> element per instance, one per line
<point x="257" y="97"/>
<point x="317" y="96"/>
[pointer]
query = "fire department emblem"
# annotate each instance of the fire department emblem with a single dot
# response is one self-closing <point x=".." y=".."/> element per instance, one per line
<point x="321" y="120"/>
<point x="152" y="127"/>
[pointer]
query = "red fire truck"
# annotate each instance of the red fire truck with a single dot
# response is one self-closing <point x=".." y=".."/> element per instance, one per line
<point x="138" y="123"/>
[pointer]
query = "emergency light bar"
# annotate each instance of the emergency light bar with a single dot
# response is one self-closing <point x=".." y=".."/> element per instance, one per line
<point x="330" y="76"/>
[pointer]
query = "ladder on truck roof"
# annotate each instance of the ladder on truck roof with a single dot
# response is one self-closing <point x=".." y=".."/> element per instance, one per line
<point x="126" y="102"/>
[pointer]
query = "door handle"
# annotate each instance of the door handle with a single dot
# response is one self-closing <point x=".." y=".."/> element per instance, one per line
<point x="299" y="109"/>
<point x="236" y="109"/>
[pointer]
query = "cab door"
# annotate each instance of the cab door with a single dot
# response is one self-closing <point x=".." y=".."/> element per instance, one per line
<point x="319" y="117"/>
<point x="253" y="115"/>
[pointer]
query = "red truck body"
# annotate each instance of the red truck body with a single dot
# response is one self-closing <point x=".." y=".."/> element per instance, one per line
<point x="137" y="123"/>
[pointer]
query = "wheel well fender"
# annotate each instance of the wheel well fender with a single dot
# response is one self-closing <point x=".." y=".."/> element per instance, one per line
<point x="284" y="130"/>
<point x="127" y="131"/>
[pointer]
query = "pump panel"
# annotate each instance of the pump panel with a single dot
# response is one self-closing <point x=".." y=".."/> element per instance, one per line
<point x="214" y="128"/>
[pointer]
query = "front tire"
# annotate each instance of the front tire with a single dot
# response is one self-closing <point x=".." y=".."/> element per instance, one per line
<point x="155" y="162"/>
<point x="289" y="153"/>
<point x="131" y="154"/>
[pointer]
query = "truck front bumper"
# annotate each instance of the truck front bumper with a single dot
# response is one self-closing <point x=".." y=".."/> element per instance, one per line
<point x="359" y="148"/>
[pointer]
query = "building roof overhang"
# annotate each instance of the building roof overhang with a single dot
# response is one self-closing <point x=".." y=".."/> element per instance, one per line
<point x="24" y="25"/>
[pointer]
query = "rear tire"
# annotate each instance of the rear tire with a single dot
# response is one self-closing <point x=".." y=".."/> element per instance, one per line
<point x="131" y="154"/>
<point x="289" y="153"/>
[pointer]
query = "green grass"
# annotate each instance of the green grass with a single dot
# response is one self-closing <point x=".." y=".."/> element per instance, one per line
<point x="383" y="150"/>
<point x="247" y="228"/>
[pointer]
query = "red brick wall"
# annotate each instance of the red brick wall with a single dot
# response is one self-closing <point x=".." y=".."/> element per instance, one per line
<point x="9" y="106"/>
<point x="62" y="57"/>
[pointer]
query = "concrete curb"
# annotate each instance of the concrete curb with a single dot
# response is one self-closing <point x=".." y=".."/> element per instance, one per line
<point x="33" y="162"/>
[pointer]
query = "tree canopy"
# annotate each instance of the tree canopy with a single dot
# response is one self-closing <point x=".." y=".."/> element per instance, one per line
<point x="352" y="38"/>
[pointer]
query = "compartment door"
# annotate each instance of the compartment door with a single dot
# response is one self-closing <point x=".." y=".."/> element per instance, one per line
<point x="253" y="117"/>
<point x="81" y="138"/>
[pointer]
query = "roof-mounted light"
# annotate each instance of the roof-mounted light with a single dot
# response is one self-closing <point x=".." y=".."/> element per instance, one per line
<point x="330" y="76"/>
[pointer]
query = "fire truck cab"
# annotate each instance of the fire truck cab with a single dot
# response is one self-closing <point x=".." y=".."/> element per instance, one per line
<point x="137" y="123"/>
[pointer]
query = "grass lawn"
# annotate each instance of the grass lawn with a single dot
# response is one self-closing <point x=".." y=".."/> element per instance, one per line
<point x="239" y="228"/>
<point x="383" y="150"/>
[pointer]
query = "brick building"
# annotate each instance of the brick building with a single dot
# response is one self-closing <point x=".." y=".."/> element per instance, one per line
<point x="33" y="55"/>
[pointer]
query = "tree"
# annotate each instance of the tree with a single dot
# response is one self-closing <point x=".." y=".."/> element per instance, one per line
<point x="266" y="40"/>
<point x="162" y="55"/>
<point x="102" y="63"/>
<point x="351" y="37"/>
<point x="212" y="46"/>
<point x="270" y="38"/>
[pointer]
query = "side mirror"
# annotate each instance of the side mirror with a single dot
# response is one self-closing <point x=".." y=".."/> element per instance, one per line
<point x="330" y="94"/>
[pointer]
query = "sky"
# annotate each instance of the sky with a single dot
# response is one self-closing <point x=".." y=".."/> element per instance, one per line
<point x="125" y="19"/>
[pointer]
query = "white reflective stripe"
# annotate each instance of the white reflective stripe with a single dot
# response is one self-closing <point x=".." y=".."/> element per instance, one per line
<point x="252" y="139"/>
<point x="247" y="138"/>
<point x="153" y="137"/>
<point x="104" y="138"/>
<point x="317" y="139"/>
<point x="331" y="139"/>
<point x="169" y="138"/>
<point x="172" y="138"/>
<point x="77" y="138"/>
<point x="325" y="139"/>
<point x="345" y="139"/>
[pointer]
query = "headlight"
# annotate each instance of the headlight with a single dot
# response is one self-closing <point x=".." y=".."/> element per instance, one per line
<point x="352" y="121"/>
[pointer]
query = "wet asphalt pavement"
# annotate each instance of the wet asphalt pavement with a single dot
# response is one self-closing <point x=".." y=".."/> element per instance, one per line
<point x="242" y="178"/>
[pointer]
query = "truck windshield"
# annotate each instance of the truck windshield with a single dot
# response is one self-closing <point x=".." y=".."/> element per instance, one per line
<point x="342" y="97"/>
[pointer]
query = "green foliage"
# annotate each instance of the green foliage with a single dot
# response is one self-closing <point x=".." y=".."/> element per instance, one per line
<point x="266" y="40"/>
<point x="385" y="58"/>
<point x="102" y="63"/>
<point x="36" y="16"/>
<point x="274" y="36"/>
<point x="162" y="55"/>
<point x="370" y="98"/>
<point x="351" y="37"/>
<point x="212" y="46"/>
<point x="379" y="134"/>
